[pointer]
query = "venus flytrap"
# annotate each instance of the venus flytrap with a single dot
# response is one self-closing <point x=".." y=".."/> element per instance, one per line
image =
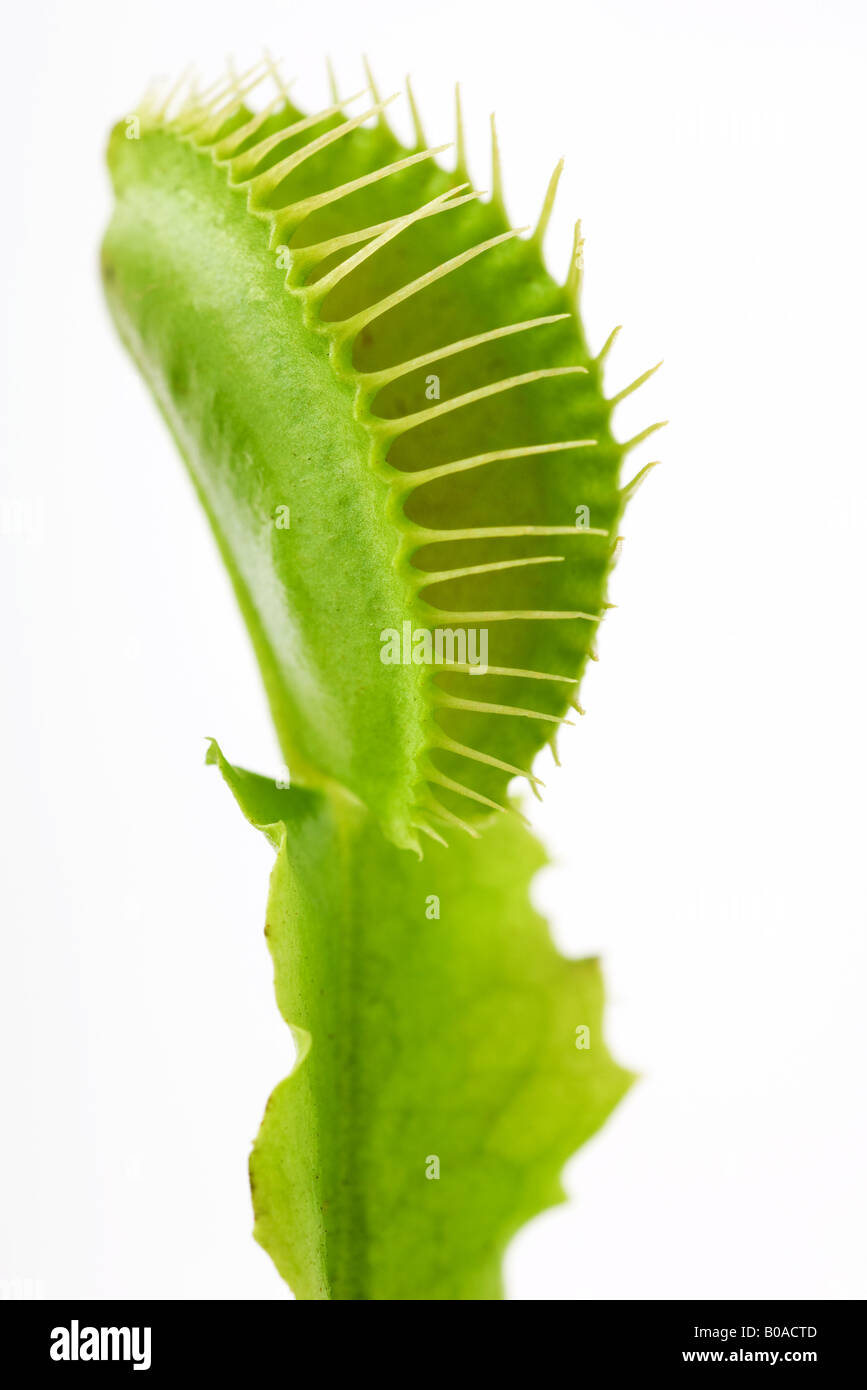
<point x="340" y="331"/>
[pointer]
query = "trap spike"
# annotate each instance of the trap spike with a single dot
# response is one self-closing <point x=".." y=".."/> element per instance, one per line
<point x="548" y="205"/>
<point x="460" y="139"/>
<point x="576" y="265"/>
<point x="496" y="169"/>
<point x="418" y="130"/>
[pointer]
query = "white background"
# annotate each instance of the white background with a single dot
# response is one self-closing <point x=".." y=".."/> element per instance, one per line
<point x="708" y="820"/>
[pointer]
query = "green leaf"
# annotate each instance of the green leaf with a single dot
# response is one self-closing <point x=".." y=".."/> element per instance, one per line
<point x="437" y="1031"/>
<point x="395" y="424"/>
